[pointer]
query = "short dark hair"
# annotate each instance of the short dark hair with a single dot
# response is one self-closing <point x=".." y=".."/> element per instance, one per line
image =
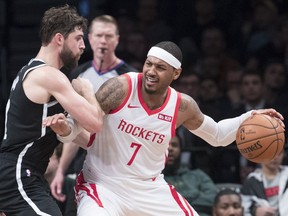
<point x="226" y="191"/>
<point x="63" y="20"/>
<point x="172" y="48"/>
<point x="252" y="72"/>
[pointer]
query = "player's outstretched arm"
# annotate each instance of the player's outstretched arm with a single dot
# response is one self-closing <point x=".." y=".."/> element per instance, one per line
<point x="220" y="133"/>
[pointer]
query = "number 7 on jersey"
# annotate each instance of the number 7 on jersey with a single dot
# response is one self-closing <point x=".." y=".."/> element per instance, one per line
<point x="137" y="147"/>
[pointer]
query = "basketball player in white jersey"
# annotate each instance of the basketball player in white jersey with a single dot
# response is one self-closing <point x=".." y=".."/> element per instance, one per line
<point x="122" y="173"/>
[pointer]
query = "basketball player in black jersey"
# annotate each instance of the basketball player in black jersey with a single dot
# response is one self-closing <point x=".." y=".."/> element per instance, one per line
<point x="39" y="90"/>
<point x="103" y="38"/>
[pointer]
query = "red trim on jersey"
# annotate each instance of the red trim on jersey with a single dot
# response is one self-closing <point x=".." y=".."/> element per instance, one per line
<point x="146" y="108"/>
<point x="181" y="205"/>
<point x="127" y="97"/>
<point x="91" y="140"/>
<point x="96" y="196"/>
<point x="174" y="123"/>
<point x="79" y="181"/>
<point x="189" y="207"/>
<point x="80" y="186"/>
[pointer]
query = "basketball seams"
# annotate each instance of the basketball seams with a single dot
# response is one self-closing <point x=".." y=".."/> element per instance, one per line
<point x="255" y="124"/>
<point x="268" y="118"/>
<point x="250" y="140"/>
<point x="260" y="138"/>
<point x="264" y="151"/>
<point x="278" y="139"/>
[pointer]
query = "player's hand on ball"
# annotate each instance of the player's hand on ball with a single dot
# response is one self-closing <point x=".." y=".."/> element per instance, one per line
<point x="271" y="112"/>
<point x="260" y="138"/>
<point x="58" y="124"/>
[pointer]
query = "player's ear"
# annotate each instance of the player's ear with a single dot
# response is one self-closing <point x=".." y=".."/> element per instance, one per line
<point x="59" y="38"/>
<point x="177" y="73"/>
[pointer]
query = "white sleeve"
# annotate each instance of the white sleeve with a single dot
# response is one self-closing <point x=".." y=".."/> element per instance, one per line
<point x="222" y="133"/>
<point x="75" y="130"/>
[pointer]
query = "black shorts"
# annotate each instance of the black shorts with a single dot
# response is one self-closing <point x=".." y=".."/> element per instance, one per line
<point x="23" y="190"/>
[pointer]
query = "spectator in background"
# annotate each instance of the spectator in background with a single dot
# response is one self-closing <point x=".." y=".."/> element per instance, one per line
<point x="188" y="83"/>
<point x="265" y="191"/>
<point x="212" y="100"/>
<point x="228" y="202"/>
<point x="126" y="25"/>
<point x="252" y="93"/>
<point x="214" y="59"/>
<point x="69" y="182"/>
<point x="153" y="26"/>
<point x="231" y="86"/>
<point x="219" y="163"/>
<point x="260" y="30"/>
<point x="136" y="47"/>
<point x="275" y="80"/>
<point x="53" y="163"/>
<point x="195" y="185"/>
<point x="275" y="85"/>
<point x="201" y="15"/>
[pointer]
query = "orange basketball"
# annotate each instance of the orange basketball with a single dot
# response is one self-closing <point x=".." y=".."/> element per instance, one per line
<point x="260" y="138"/>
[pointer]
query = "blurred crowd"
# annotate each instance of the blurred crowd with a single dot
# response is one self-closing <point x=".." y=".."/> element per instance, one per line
<point x="235" y="60"/>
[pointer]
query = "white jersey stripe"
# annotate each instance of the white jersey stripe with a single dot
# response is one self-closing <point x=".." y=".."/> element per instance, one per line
<point x="20" y="184"/>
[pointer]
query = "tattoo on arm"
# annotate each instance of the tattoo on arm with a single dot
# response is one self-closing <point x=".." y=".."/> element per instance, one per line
<point x="111" y="94"/>
<point x="183" y="106"/>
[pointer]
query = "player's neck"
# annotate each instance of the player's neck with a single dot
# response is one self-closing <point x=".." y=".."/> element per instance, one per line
<point x="154" y="101"/>
<point x="48" y="56"/>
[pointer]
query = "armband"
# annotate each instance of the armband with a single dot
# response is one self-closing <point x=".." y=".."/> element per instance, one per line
<point x="75" y="130"/>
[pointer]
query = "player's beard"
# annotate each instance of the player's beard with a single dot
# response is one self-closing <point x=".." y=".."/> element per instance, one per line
<point x="70" y="61"/>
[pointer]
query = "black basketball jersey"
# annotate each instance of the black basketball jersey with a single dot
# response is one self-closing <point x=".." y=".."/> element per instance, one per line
<point x="24" y="135"/>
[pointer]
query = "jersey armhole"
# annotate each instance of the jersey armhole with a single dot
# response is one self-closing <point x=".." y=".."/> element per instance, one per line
<point x="173" y="127"/>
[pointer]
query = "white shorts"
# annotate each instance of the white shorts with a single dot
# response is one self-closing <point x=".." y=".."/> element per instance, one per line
<point x="130" y="198"/>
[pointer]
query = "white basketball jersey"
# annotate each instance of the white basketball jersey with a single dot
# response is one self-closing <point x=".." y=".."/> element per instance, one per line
<point x="134" y="140"/>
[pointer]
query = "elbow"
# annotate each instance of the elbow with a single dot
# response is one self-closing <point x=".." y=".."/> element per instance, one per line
<point x="219" y="143"/>
<point x="96" y="123"/>
<point x="96" y="126"/>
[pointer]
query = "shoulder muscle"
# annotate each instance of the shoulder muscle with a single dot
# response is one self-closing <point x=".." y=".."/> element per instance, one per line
<point x="112" y="93"/>
<point x="189" y="113"/>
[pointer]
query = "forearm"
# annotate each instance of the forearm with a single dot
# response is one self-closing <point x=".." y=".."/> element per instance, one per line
<point x="93" y="112"/>
<point x="75" y="129"/>
<point x="82" y="139"/>
<point x="222" y="133"/>
<point x="68" y="153"/>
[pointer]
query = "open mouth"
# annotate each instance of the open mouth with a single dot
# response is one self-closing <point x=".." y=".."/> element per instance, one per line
<point x="151" y="81"/>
